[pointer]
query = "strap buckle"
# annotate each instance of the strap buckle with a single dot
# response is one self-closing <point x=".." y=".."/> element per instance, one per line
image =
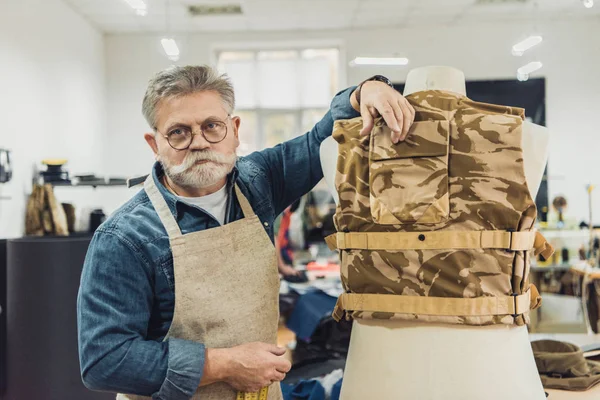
<point x="511" y="244"/>
<point x="514" y="296"/>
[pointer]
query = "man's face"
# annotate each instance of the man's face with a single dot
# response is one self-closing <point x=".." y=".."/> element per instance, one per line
<point x="203" y="164"/>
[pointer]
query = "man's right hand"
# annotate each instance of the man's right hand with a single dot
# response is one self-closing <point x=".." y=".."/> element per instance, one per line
<point x="288" y="270"/>
<point x="251" y="366"/>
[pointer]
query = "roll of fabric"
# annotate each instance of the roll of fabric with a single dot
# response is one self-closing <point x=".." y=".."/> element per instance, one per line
<point x="45" y="215"/>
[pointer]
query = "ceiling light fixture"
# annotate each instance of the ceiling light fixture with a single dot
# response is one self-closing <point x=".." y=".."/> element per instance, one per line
<point x="379" y="61"/>
<point x="521" y="47"/>
<point x="139" y="6"/>
<point x="588" y="3"/>
<point x="171" y="48"/>
<point x="168" y="43"/>
<point x="526" y="70"/>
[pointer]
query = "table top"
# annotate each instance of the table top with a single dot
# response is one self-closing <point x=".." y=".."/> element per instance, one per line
<point x="592" y="273"/>
<point x="553" y="267"/>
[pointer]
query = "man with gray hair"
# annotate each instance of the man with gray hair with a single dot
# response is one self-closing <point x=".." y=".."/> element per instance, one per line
<point x="179" y="291"/>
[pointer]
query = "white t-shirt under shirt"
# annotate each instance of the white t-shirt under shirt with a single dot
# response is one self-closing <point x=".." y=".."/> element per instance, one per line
<point x="215" y="204"/>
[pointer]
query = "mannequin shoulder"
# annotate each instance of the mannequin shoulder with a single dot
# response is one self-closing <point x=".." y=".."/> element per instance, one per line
<point x="529" y="128"/>
<point x="328" y="147"/>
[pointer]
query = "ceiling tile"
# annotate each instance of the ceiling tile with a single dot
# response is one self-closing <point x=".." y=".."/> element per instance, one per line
<point x="116" y="16"/>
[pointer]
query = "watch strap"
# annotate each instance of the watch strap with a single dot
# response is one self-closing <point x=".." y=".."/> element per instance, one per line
<point x="379" y="78"/>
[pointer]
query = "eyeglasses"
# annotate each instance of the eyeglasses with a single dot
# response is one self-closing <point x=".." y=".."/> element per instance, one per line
<point x="213" y="131"/>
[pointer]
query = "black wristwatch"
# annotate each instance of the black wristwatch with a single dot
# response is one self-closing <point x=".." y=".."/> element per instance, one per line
<point x="379" y="78"/>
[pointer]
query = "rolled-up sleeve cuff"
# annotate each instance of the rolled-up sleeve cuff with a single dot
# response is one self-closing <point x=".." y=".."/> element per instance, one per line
<point x="186" y="364"/>
<point x="341" y="107"/>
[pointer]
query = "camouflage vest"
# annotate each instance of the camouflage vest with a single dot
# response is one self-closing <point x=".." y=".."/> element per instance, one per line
<point x="439" y="227"/>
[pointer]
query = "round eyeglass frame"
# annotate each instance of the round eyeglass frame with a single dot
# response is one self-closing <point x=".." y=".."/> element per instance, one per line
<point x="201" y="133"/>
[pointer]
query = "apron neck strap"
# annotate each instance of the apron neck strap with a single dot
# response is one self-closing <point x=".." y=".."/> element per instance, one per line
<point x="161" y="207"/>
<point x="244" y="203"/>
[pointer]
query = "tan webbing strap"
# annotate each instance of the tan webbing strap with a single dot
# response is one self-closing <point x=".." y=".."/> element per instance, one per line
<point x="542" y="246"/>
<point x="440" y="306"/>
<point x="535" y="298"/>
<point x="338" y="310"/>
<point x="331" y="241"/>
<point x="436" y="240"/>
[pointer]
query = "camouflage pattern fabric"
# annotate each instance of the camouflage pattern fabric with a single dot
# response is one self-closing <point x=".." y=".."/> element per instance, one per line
<point x="461" y="169"/>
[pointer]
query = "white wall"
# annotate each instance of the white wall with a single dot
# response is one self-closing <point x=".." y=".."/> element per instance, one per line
<point x="52" y="96"/>
<point x="570" y="52"/>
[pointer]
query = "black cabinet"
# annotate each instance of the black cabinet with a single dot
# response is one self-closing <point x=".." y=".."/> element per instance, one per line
<point x="2" y="318"/>
<point x="42" y="354"/>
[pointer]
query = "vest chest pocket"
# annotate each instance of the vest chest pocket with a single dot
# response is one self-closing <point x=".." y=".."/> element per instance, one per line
<point x="409" y="181"/>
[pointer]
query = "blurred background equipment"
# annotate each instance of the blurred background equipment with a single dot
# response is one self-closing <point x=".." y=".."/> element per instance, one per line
<point x="5" y="166"/>
<point x="54" y="172"/>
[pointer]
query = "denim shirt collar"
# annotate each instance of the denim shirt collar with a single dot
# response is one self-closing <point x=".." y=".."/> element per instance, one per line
<point x="170" y="198"/>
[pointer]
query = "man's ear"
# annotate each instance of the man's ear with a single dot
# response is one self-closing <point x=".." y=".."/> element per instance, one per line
<point x="236" y="121"/>
<point x="151" y="140"/>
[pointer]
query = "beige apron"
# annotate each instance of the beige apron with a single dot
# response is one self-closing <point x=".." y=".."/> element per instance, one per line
<point x="226" y="286"/>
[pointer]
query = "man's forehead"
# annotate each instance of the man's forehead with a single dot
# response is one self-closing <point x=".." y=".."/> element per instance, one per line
<point x="190" y="108"/>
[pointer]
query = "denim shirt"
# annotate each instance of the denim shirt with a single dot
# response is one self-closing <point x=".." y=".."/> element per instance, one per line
<point x="126" y="298"/>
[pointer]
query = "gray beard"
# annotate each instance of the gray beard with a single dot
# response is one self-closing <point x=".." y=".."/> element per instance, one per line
<point x="189" y="174"/>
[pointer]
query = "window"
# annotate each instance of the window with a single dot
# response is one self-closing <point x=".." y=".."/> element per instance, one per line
<point x="280" y="94"/>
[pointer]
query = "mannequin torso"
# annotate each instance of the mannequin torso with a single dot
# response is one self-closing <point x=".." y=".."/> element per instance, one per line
<point x="408" y="360"/>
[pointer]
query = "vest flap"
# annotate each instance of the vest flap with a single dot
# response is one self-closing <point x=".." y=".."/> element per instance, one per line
<point x="425" y="139"/>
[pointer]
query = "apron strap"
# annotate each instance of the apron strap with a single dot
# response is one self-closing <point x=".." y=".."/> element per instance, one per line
<point x="131" y="182"/>
<point x="244" y="203"/>
<point x="161" y="207"/>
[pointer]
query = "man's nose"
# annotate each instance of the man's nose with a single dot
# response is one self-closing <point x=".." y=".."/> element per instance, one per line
<point x="198" y="142"/>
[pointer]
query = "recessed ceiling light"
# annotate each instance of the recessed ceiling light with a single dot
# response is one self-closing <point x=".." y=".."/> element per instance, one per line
<point x="588" y="3"/>
<point x="171" y="48"/>
<point x="379" y="61"/>
<point x="521" y="47"/>
<point x="139" y="6"/>
<point x="526" y="70"/>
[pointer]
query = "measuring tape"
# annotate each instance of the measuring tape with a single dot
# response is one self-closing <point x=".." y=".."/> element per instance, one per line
<point x="262" y="395"/>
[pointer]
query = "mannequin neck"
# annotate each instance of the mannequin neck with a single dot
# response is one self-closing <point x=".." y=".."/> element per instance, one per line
<point x="435" y="78"/>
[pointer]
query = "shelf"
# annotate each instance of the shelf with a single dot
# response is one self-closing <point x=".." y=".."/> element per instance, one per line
<point x="94" y="184"/>
<point x="552" y="267"/>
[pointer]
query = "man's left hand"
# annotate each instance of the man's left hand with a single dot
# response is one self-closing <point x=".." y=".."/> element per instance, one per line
<point x="379" y="99"/>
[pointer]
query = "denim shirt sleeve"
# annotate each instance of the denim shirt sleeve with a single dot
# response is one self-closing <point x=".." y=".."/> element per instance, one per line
<point x="294" y="167"/>
<point x="113" y="309"/>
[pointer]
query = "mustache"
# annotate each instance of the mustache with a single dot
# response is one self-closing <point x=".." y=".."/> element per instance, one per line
<point x="205" y="155"/>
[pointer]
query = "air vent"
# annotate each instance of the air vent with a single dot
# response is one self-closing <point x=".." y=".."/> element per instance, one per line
<point x="225" y="9"/>
<point x="488" y="2"/>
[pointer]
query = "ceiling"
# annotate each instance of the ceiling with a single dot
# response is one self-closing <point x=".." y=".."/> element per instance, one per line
<point x="116" y="16"/>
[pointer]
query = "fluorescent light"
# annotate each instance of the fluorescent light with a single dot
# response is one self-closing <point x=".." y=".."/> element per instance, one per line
<point x="521" y="47"/>
<point x="139" y="6"/>
<point x="379" y="61"/>
<point x="588" y="3"/>
<point x="526" y="70"/>
<point x="522" y="77"/>
<point x="531" y="67"/>
<point x="171" y="49"/>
